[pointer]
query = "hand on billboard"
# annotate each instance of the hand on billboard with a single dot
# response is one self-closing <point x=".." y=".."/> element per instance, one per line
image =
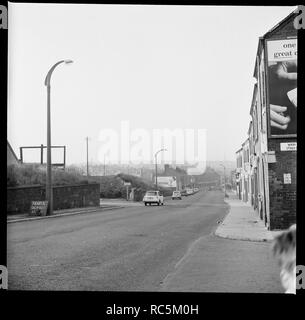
<point x="277" y="119"/>
<point x="283" y="70"/>
<point x="292" y="95"/>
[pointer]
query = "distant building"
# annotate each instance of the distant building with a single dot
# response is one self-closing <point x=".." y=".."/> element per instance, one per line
<point x="181" y="176"/>
<point x="147" y="174"/>
<point x="210" y="178"/>
<point x="245" y="176"/>
<point x="11" y="156"/>
<point x="239" y="169"/>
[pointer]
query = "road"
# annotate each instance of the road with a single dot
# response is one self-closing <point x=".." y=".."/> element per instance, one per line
<point x="127" y="249"/>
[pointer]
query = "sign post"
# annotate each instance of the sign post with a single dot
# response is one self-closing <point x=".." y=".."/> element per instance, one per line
<point x="127" y="184"/>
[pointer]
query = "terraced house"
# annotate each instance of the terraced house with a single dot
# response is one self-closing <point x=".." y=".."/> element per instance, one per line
<point x="273" y="129"/>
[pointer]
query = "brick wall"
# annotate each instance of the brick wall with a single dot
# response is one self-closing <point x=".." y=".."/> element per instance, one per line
<point x="64" y="197"/>
<point x="282" y="196"/>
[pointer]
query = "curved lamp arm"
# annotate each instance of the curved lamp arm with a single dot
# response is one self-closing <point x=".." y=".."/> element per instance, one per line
<point x="48" y="77"/>
<point x="159" y="151"/>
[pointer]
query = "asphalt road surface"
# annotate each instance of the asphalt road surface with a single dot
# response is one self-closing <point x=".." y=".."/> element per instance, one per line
<point x="126" y="249"/>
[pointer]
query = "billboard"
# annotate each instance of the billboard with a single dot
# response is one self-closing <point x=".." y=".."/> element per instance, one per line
<point x="167" y="182"/>
<point x="282" y="86"/>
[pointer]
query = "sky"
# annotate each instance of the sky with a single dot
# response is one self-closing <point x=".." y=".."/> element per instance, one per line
<point x="154" y="67"/>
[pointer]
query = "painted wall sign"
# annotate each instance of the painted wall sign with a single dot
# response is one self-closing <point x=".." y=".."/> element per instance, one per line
<point x="287" y="178"/>
<point x="282" y="86"/>
<point x="288" y="146"/>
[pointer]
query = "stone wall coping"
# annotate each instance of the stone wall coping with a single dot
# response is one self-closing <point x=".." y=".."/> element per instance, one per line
<point x="54" y="186"/>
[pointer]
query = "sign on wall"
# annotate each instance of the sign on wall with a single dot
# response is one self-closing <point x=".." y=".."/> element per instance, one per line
<point x="288" y="146"/>
<point x="282" y="86"/>
<point x="287" y="178"/>
<point x="39" y="208"/>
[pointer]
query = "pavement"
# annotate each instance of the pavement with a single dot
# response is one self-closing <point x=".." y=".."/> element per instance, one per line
<point x="243" y="223"/>
<point x="61" y="213"/>
<point x="238" y="259"/>
<point x="216" y="264"/>
<point x="105" y="204"/>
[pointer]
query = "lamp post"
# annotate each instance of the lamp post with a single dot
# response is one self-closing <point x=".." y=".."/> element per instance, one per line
<point x="49" y="193"/>
<point x="157" y="166"/>
<point x="224" y="178"/>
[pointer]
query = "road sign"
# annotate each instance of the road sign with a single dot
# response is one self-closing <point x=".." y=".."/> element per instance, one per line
<point x="39" y="208"/>
<point x="127" y="184"/>
<point x="288" y="146"/>
<point x="287" y="178"/>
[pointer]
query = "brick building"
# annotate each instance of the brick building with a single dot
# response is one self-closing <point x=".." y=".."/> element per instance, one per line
<point x="243" y="179"/>
<point x="239" y="166"/>
<point x="273" y="132"/>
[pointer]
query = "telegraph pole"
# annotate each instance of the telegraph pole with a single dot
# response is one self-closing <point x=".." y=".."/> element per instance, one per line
<point x="87" y="138"/>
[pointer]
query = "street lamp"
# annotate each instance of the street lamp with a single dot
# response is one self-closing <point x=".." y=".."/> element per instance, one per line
<point x="156" y="166"/>
<point x="224" y="178"/>
<point x="49" y="193"/>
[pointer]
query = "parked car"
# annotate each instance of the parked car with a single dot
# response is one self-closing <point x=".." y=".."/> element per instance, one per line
<point x="153" y="197"/>
<point x="196" y="189"/>
<point x="176" y="195"/>
<point x="183" y="192"/>
<point x="189" y="191"/>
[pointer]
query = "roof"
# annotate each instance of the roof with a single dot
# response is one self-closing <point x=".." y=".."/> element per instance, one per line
<point x="239" y="150"/>
<point x="253" y="98"/>
<point x="293" y="14"/>
<point x="259" y="48"/>
<point x="268" y="34"/>
<point x="247" y="140"/>
<point x="250" y="125"/>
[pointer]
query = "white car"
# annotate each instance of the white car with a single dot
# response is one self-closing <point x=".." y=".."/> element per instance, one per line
<point x="153" y="197"/>
<point x="176" y="195"/>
